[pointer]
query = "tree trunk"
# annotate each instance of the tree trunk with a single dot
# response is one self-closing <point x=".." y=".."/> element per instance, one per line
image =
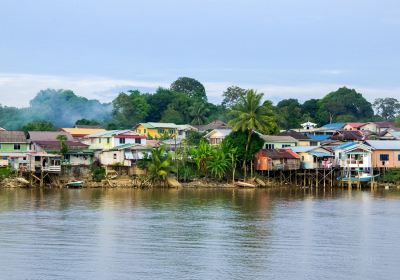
<point x="246" y="154"/>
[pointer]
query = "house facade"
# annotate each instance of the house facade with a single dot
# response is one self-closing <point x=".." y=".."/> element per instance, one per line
<point x="314" y="157"/>
<point x="79" y="133"/>
<point x="378" y="127"/>
<point x="124" y="155"/>
<point x="112" y="138"/>
<point x="278" y="159"/>
<point x="278" y="142"/>
<point x="156" y="130"/>
<point x="215" y="136"/>
<point x="13" y="148"/>
<point x="353" y="155"/>
<point x="385" y="154"/>
<point x="353" y="126"/>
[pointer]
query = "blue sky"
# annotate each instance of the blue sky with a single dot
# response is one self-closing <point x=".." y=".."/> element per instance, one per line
<point x="284" y="48"/>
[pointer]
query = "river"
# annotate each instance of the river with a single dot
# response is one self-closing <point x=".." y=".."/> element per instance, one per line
<point x="199" y="234"/>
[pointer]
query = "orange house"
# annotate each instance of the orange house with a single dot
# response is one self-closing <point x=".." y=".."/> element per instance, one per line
<point x="385" y="153"/>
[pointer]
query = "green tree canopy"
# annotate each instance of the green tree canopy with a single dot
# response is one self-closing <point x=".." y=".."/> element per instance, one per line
<point x="232" y="95"/>
<point x="387" y="108"/>
<point x="344" y="105"/>
<point x="87" y="122"/>
<point x="38" y="125"/>
<point x="129" y="109"/>
<point x="290" y="113"/>
<point x="191" y="87"/>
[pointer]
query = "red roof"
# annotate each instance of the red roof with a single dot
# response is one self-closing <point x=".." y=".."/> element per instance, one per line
<point x="356" y="124"/>
<point x="278" y="153"/>
<point x="130" y="136"/>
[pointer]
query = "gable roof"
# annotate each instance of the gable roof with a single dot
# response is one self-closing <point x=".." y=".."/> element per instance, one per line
<point x="158" y="125"/>
<point x="217" y="124"/>
<point x="295" y="135"/>
<point x="277" y="138"/>
<point x="352" y="146"/>
<point x="356" y="124"/>
<point x="337" y="125"/>
<point x="12" y="137"/>
<point x="35" y="136"/>
<point x="82" y="131"/>
<point x="108" y="133"/>
<point x="384" y="124"/>
<point x="222" y="132"/>
<point x="279" y="153"/>
<point x="384" y="144"/>
<point x="348" y="135"/>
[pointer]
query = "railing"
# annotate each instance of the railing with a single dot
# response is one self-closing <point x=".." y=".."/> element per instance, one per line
<point x="53" y="168"/>
<point x="285" y="166"/>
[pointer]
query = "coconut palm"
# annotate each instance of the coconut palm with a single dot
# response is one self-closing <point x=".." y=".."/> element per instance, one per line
<point x="199" y="112"/>
<point x="249" y="114"/>
<point x="63" y="147"/>
<point x="160" y="164"/>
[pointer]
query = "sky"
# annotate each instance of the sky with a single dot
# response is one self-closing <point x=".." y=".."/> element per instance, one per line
<point x="284" y="48"/>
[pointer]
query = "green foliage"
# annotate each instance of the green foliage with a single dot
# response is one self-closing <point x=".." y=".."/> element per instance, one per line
<point x="344" y="105"/>
<point x="87" y="122"/>
<point x="238" y="140"/>
<point x="291" y="113"/>
<point x="172" y="115"/>
<point x="63" y="146"/>
<point x="194" y="137"/>
<point x="38" y="126"/>
<point x="160" y="164"/>
<point x="199" y="112"/>
<point x="391" y="176"/>
<point x="387" y="108"/>
<point x="201" y="155"/>
<point x="98" y="173"/>
<point x="232" y="95"/>
<point x="191" y="87"/>
<point x="129" y="109"/>
<point x="5" y="172"/>
<point x="218" y="163"/>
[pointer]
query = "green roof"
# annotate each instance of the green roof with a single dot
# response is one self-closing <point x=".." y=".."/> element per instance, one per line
<point x="159" y="125"/>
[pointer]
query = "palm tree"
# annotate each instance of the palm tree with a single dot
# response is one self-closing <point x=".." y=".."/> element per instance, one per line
<point x="248" y="115"/>
<point x="199" y="112"/>
<point x="160" y="164"/>
<point x="63" y="147"/>
<point x="219" y="163"/>
<point x="201" y="155"/>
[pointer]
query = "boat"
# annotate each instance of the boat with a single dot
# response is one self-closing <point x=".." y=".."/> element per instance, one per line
<point x="75" y="184"/>
<point x="362" y="177"/>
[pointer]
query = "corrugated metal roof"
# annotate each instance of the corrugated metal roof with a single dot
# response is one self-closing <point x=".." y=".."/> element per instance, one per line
<point x="337" y="125"/>
<point x="384" y="144"/>
<point x="48" y="135"/>
<point x="159" y="125"/>
<point x="345" y="145"/>
<point x="276" y="138"/>
<point x="321" y="154"/>
<point x="107" y="133"/>
<point x="83" y="131"/>
<point x="12" y="137"/>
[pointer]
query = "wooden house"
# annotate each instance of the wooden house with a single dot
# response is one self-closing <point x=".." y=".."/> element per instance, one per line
<point x="314" y="157"/>
<point x="47" y="142"/>
<point x="353" y="126"/>
<point x="39" y="162"/>
<point x="278" y="142"/>
<point x="353" y="155"/>
<point x="216" y="124"/>
<point x="302" y="138"/>
<point x="390" y="134"/>
<point x="79" y="133"/>
<point x="378" y="127"/>
<point x="349" y="135"/>
<point x="385" y="154"/>
<point x="216" y="136"/>
<point x="277" y="159"/>
<point x="13" y="148"/>
<point x="124" y="155"/>
<point x="113" y="138"/>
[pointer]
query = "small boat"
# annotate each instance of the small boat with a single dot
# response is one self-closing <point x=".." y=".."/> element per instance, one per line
<point x="362" y="177"/>
<point x="245" y="185"/>
<point x="75" y="184"/>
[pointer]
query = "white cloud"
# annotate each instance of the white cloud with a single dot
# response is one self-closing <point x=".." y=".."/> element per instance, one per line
<point x="18" y="89"/>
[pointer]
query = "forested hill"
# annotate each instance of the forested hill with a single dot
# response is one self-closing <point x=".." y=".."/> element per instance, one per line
<point x="60" y="107"/>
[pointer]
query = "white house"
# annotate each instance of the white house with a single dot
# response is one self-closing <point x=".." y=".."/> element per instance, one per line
<point x="353" y="155"/>
<point x="216" y="136"/>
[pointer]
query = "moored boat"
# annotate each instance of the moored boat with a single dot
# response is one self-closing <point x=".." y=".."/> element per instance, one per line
<point x="75" y="184"/>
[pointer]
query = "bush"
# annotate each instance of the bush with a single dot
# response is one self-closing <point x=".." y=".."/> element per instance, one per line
<point x="98" y="174"/>
<point x="391" y="176"/>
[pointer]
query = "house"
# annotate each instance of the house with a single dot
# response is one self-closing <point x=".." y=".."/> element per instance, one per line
<point x="353" y="155"/>
<point x="309" y="125"/>
<point x="314" y="157"/>
<point x="184" y="130"/>
<point x="47" y="142"/>
<point x="353" y="126"/>
<point x="123" y="155"/>
<point x="13" y="148"/>
<point x="278" y="142"/>
<point x="217" y="124"/>
<point x="390" y="134"/>
<point x="79" y="133"/>
<point x="385" y="154"/>
<point x="333" y="126"/>
<point x="156" y="130"/>
<point x="303" y="139"/>
<point x="278" y="159"/>
<point x="216" y="136"/>
<point x="112" y="138"/>
<point x="348" y="135"/>
<point x="378" y="127"/>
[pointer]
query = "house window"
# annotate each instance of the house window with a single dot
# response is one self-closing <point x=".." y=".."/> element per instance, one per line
<point x="137" y="141"/>
<point x="269" y="146"/>
<point x="99" y="140"/>
<point x="17" y="147"/>
<point x="0" y="147"/>
<point x="92" y="141"/>
<point x="398" y="157"/>
<point x="161" y="131"/>
<point x="114" y="156"/>
<point x="384" y="157"/>
<point x="122" y="140"/>
<point x="145" y="131"/>
<point x="285" y="145"/>
<point x="108" y="140"/>
<point x="171" y="131"/>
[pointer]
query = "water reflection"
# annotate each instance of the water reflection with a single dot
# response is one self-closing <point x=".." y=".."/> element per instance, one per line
<point x="199" y="234"/>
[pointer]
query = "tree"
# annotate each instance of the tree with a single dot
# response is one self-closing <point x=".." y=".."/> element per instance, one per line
<point x="290" y="113"/>
<point x="38" y="125"/>
<point x="199" y="112"/>
<point x="249" y="115"/>
<point x="87" y="122"/>
<point x="171" y="115"/>
<point x="232" y="95"/>
<point x="388" y="108"/>
<point x="344" y="105"/>
<point x="201" y="155"/>
<point x="160" y="164"/>
<point x="63" y="146"/>
<point x="129" y="109"/>
<point x="191" y="87"/>
<point x="219" y="162"/>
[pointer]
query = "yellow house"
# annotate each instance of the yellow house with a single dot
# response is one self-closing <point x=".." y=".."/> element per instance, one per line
<point x="113" y="138"/>
<point x="157" y="130"/>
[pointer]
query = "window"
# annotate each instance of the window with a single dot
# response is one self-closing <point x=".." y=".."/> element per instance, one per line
<point x="269" y="146"/>
<point x="92" y="141"/>
<point x="285" y="145"/>
<point x="114" y="156"/>
<point x="108" y="140"/>
<point x="171" y="131"/>
<point x="161" y="131"/>
<point x="99" y="140"/>
<point x="384" y="157"/>
<point x="17" y="147"/>
<point x="137" y="141"/>
<point x="145" y="131"/>
<point x="122" y="140"/>
<point x="0" y="147"/>
<point x="398" y="157"/>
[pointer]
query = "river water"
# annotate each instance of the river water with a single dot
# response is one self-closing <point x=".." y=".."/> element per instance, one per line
<point x="199" y="234"/>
